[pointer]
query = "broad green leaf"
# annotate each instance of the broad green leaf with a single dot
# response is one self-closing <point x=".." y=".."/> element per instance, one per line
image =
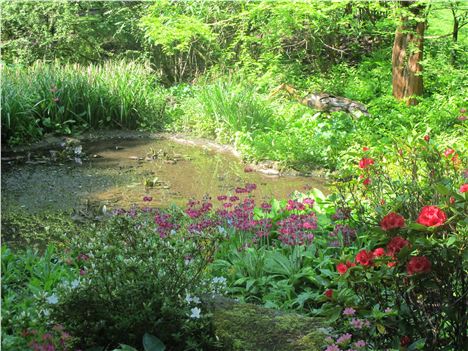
<point x="152" y="343"/>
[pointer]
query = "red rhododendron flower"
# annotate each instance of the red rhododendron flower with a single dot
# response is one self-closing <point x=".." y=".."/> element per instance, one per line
<point x="464" y="188"/>
<point x="448" y="152"/>
<point x="405" y="340"/>
<point x="427" y="138"/>
<point x="451" y="200"/>
<point x="378" y="252"/>
<point x="365" y="148"/>
<point x="431" y="216"/>
<point x="341" y="268"/>
<point x="365" y="162"/>
<point x="366" y="181"/>
<point x="364" y="257"/>
<point x="392" y="221"/>
<point x="418" y="264"/>
<point x="350" y="264"/>
<point x="395" y="245"/>
<point x="391" y="264"/>
<point x="328" y="293"/>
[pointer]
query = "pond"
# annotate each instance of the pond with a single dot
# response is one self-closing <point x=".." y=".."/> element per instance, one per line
<point x="119" y="173"/>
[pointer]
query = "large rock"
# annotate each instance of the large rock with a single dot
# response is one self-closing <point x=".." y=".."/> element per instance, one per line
<point x="250" y="327"/>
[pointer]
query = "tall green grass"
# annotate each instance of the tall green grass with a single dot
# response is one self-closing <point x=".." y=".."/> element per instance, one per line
<point x="224" y="108"/>
<point x="64" y="98"/>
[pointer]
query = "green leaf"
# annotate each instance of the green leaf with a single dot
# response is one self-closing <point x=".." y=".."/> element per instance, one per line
<point x="123" y="347"/>
<point x="417" y="226"/>
<point x="442" y="189"/>
<point x="417" y="345"/>
<point x="152" y="343"/>
<point x="451" y="240"/>
<point x="380" y="328"/>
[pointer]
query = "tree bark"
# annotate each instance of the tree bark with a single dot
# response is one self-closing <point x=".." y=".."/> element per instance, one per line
<point x="407" y="54"/>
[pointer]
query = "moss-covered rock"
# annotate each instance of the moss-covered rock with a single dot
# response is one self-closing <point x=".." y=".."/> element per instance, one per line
<point x="250" y="327"/>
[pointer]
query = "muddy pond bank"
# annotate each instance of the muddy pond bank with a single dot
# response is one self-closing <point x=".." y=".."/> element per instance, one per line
<point x="120" y="171"/>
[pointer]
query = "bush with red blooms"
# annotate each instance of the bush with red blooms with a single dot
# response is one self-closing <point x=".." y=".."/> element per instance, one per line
<point x="418" y="264"/>
<point x="431" y="216"/>
<point x="412" y="236"/>
<point x="392" y="221"/>
<point x="364" y="258"/>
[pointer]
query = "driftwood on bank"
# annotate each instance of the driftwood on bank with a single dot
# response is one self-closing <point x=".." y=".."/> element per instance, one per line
<point x="325" y="102"/>
<point x="248" y="327"/>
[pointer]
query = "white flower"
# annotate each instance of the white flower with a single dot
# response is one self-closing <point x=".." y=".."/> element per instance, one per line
<point x="219" y="280"/>
<point x="74" y="284"/>
<point x="52" y="299"/>
<point x="196" y="312"/>
<point x="77" y="150"/>
<point x="195" y="299"/>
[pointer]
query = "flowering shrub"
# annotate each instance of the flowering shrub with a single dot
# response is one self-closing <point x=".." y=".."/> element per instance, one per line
<point x="392" y="221"/>
<point x="29" y="281"/>
<point x="432" y="216"/>
<point x="137" y="277"/>
<point x="409" y="280"/>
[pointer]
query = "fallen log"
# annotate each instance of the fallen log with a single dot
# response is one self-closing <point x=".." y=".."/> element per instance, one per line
<point x="324" y="102"/>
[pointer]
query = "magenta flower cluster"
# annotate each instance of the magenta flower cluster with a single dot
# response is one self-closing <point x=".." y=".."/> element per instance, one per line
<point x="164" y="223"/>
<point x="296" y="229"/>
<point x="54" y="340"/>
<point x="343" y="343"/>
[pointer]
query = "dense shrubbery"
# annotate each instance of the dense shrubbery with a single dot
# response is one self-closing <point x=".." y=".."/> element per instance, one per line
<point x="233" y="55"/>
<point x="29" y="282"/>
<point x="383" y="259"/>
<point x="136" y="281"/>
<point x="408" y="281"/>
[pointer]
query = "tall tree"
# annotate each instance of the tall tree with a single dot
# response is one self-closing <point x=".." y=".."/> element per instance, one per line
<point x="408" y="52"/>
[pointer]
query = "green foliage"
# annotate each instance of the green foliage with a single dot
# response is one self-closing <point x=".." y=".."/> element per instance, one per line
<point x="136" y="282"/>
<point x="70" y="31"/>
<point x="187" y="38"/>
<point x="64" y="98"/>
<point x="150" y="343"/>
<point x="29" y="288"/>
<point x="282" y="278"/>
<point x="181" y="45"/>
<point x="429" y="306"/>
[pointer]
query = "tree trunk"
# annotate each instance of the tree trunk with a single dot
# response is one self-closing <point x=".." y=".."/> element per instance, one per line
<point x="406" y="57"/>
